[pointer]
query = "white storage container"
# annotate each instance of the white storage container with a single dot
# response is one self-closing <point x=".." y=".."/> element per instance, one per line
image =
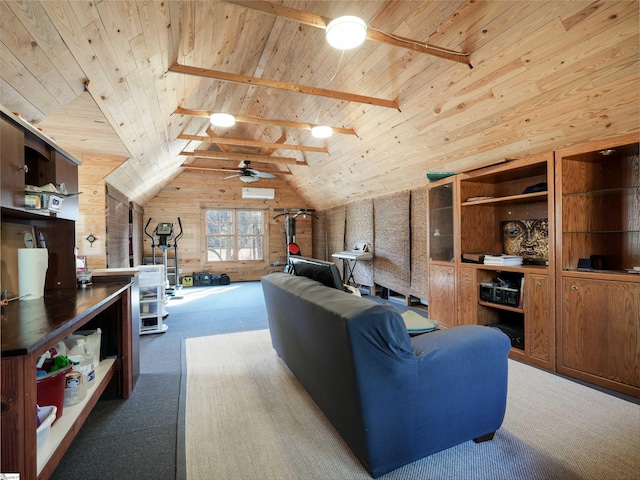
<point x="92" y="338"/>
<point x="46" y="415"/>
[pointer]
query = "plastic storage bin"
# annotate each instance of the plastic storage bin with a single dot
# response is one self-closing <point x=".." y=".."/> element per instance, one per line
<point x="47" y="415"/>
<point x="50" y="389"/>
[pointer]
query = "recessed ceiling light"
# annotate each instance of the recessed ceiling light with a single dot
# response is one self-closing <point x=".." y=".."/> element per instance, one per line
<point x="606" y="152"/>
<point x="322" y="131"/>
<point x="346" y="32"/>
<point x="222" y="120"/>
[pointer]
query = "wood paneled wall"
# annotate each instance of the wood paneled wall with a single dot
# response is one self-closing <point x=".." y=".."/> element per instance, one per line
<point x="192" y="192"/>
<point x="336" y="218"/>
<point x="117" y="239"/>
<point x="92" y="218"/>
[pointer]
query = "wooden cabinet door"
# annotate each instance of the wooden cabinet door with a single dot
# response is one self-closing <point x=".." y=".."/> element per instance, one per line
<point x="442" y="294"/>
<point x="538" y="321"/>
<point x="599" y="332"/>
<point x="67" y="172"/>
<point x="467" y="299"/>
<point x="12" y="165"/>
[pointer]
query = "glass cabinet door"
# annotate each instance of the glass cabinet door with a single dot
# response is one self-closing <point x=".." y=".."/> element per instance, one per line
<point x="441" y="223"/>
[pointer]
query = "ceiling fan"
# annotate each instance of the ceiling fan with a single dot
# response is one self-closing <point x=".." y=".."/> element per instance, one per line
<point x="249" y="175"/>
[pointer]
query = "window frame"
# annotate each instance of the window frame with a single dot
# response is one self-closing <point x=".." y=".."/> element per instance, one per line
<point x="235" y="209"/>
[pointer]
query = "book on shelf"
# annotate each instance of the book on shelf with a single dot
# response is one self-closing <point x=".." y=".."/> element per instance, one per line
<point x="501" y="259"/>
<point x="473" y="257"/>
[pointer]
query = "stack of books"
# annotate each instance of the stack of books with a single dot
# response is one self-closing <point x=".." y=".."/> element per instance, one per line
<point x="473" y="257"/>
<point x="500" y="259"/>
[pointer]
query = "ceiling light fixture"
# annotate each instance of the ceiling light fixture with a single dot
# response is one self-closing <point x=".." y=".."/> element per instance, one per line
<point x="248" y="178"/>
<point x="321" y="131"/>
<point x="346" y="32"/>
<point x="222" y="120"/>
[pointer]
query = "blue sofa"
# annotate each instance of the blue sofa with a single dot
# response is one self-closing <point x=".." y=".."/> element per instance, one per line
<point x="394" y="399"/>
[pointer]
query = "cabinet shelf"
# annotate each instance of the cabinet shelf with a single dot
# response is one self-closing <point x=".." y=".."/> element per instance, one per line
<point x="501" y="307"/>
<point x="448" y="208"/>
<point x="603" y="192"/>
<point x="598" y="232"/>
<point x="71" y="413"/>
<point x="521" y="198"/>
<point x="506" y="268"/>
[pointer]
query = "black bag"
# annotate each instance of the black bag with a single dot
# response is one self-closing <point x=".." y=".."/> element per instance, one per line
<point x="222" y="279"/>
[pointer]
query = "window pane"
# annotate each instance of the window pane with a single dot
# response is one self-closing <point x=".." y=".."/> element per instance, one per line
<point x="249" y="248"/>
<point x="219" y="222"/>
<point x="220" y="249"/>
<point x="234" y="235"/>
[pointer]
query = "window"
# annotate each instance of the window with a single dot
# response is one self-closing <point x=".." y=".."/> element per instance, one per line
<point x="234" y="235"/>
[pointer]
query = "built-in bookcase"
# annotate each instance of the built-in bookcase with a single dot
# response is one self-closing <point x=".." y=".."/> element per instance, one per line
<point x="598" y="243"/>
<point x="514" y="190"/>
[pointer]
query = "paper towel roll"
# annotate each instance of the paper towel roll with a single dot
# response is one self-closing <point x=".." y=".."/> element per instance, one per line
<point x="32" y="272"/>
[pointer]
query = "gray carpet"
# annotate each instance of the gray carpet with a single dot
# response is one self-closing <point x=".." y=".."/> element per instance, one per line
<point x="247" y="417"/>
<point x="138" y="439"/>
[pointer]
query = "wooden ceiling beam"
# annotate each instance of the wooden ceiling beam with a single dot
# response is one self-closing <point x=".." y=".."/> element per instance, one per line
<point x="291" y="87"/>
<point x="263" y="121"/>
<point x="231" y="170"/>
<point x="280" y="141"/>
<point x="251" y="143"/>
<point x="318" y="21"/>
<point x="242" y="157"/>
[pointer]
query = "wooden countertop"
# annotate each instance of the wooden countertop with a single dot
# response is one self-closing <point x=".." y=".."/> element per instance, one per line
<point x="29" y="324"/>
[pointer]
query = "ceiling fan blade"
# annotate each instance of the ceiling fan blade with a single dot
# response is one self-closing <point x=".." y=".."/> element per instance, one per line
<point x="233" y="176"/>
<point x="264" y="175"/>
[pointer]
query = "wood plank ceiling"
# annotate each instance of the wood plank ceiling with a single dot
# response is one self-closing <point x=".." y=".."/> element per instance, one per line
<point x="97" y="76"/>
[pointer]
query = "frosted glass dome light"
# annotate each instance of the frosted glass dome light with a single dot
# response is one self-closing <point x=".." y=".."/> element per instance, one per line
<point x="322" y="131"/>
<point x="346" y="32"/>
<point x="222" y="120"/>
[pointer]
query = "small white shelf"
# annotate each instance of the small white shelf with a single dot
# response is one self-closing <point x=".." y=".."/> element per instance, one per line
<point x="152" y="299"/>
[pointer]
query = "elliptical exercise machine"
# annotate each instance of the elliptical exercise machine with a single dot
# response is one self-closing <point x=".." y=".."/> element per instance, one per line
<point x="166" y="241"/>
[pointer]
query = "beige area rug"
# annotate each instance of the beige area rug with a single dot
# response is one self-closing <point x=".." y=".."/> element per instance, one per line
<point x="247" y="417"/>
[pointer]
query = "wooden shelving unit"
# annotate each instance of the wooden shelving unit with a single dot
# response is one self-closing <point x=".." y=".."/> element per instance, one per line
<point x="598" y="220"/>
<point x="484" y="199"/>
<point x="32" y="327"/>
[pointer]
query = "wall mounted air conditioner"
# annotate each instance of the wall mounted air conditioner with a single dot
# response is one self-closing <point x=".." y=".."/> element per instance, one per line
<point x="258" y="193"/>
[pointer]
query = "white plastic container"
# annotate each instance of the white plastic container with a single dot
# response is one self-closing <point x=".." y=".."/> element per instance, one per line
<point x="82" y="361"/>
<point x="46" y="415"/>
<point x="92" y="338"/>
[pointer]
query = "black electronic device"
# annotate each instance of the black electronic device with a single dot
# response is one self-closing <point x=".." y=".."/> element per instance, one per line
<point x="494" y="293"/>
<point x="514" y="332"/>
<point x="584" y="264"/>
<point x="324" y="272"/>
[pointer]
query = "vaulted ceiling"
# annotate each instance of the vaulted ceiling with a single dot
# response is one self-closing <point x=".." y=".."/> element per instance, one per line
<point x="100" y="77"/>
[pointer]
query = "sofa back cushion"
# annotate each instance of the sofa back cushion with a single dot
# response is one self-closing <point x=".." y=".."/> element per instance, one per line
<point x="334" y="342"/>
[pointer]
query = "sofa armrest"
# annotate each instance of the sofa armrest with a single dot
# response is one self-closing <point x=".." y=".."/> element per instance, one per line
<point x="462" y="372"/>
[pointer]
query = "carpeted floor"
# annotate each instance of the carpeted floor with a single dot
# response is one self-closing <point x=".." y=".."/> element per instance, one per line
<point x="136" y="439"/>
<point x="140" y="438"/>
<point x="248" y="418"/>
